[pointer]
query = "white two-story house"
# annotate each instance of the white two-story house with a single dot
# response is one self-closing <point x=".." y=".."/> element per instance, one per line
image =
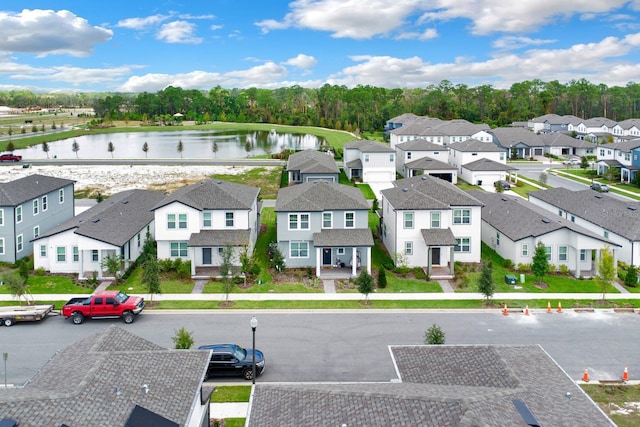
<point x="409" y="152"/>
<point x="430" y="223"/>
<point x="196" y="223"/>
<point x="325" y="226"/>
<point x="370" y="161"/>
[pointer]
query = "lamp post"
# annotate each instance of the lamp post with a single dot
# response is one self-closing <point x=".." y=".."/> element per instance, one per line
<point x="254" y="325"/>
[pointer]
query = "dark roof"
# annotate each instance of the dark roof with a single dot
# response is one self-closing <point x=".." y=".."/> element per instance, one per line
<point x="115" y="220"/>
<point x="426" y="192"/>
<point x="213" y="194"/>
<point x="427" y="163"/>
<point x="343" y="237"/>
<point x="618" y="216"/>
<point x="506" y="137"/>
<point x="473" y="145"/>
<point x="559" y="139"/>
<point x="462" y="385"/>
<point x="487" y="165"/>
<point x="311" y="161"/>
<point x="438" y="236"/>
<point x="98" y="381"/>
<point x="319" y="196"/>
<point x="220" y="238"/>
<point x="21" y="190"/>
<point x="366" y="146"/>
<point x="420" y="144"/>
<point x="518" y="219"/>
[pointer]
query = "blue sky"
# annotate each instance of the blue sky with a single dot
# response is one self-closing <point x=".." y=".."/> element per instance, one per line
<point x="136" y="46"/>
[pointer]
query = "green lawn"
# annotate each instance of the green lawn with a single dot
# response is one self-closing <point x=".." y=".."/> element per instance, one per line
<point x="223" y="393"/>
<point x="134" y="285"/>
<point x="51" y="285"/>
<point x="268" y="179"/>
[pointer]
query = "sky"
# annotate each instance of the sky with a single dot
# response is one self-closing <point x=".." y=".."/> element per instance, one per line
<point x="145" y="46"/>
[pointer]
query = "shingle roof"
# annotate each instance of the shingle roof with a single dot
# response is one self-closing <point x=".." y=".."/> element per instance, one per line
<point x="116" y="220"/>
<point x="427" y="163"/>
<point x="626" y="146"/>
<point x="438" y="236"/>
<point x="21" y="190"/>
<point x="311" y="161"/>
<point x="599" y="122"/>
<point x="559" y="139"/>
<point x="343" y="237"/>
<point x="506" y="137"/>
<point x="440" y="386"/>
<point x="427" y="192"/>
<point x="613" y="214"/>
<point x="629" y="123"/>
<point x="366" y="146"/>
<point x="220" y="238"/>
<point x="78" y="385"/>
<point x="518" y="219"/>
<point x="474" y="145"/>
<point x="213" y="195"/>
<point x="460" y="127"/>
<point x="487" y="165"/>
<point x="420" y="144"/>
<point x="319" y="196"/>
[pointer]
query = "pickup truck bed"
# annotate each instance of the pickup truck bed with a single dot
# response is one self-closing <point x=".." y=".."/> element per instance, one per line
<point x="28" y="313"/>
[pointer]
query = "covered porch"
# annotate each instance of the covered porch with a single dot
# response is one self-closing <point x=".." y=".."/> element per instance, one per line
<point x="343" y="250"/>
<point x="207" y="246"/>
<point x="440" y="244"/>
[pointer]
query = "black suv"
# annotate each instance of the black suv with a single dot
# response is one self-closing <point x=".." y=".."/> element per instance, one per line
<point x="233" y="360"/>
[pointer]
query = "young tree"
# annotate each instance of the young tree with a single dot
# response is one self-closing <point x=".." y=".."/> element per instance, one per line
<point x="45" y="148"/>
<point x="17" y="285"/>
<point x="111" y="148"/>
<point x="10" y="147"/>
<point x="214" y="148"/>
<point x="180" y="148"/>
<point x="499" y="187"/>
<point x="606" y="269"/>
<point x="486" y="285"/>
<point x="540" y="263"/>
<point x="75" y="147"/>
<point x="434" y="335"/>
<point x="245" y="263"/>
<point x="277" y="259"/>
<point x="584" y="162"/>
<point x="112" y="264"/>
<point x="364" y="282"/>
<point x="151" y="276"/>
<point x="145" y="148"/>
<point x="226" y="269"/>
<point x="149" y="248"/>
<point x="631" y="278"/>
<point x="382" y="278"/>
<point x="543" y="178"/>
<point x="183" y="339"/>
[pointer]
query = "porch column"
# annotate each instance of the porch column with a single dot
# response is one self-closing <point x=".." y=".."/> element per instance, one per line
<point x="578" y="262"/>
<point x="451" y="260"/>
<point x="354" y="261"/>
<point x="369" y="260"/>
<point x="318" y="262"/>
<point x="429" y="261"/>
<point x="81" y="264"/>
<point x="192" y="258"/>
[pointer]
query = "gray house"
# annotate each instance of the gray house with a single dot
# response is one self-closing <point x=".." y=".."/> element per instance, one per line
<point x="311" y="165"/>
<point x="525" y="143"/>
<point x="29" y="207"/>
<point x="325" y="226"/>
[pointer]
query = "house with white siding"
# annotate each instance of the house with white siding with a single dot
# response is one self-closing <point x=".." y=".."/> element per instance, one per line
<point x="369" y="161"/>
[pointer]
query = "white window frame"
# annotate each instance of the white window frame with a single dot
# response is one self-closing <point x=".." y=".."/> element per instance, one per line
<point x="43" y="251"/>
<point x="61" y="196"/>
<point x="61" y="256"/>
<point x="177" y="252"/>
<point x="1" y="245"/>
<point x="459" y="216"/>
<point x="297" y="220"/>
<point x="36" y="207"/>
<point x="206" y="219"/>
<point x="45" y="203"/>
<point x="366" y="158"/>
<point x="549" y="251"/>
<point x="182" y="221"/>
<point x="408" y="220"/>
<point x="75" y="253"/>
<point x="299" y="249"/>
<point x="408" y="248"/>
<point x="352" y="220"/>
<point x="95" y="255"/>
<point x="463" y="245"/>
<point x="340" y="251"/>
<point x="583" y="254"/>
<point x="563" y="256"/>
<point x="524" y="250"/>
<point x="229" y="219"/>
<point x="19" y="243"/>
<point x="327" y="218"/>
<point x="434" y="220"/>
<point x="36" y="231"/>
<point x="138" y="239"/>
<point x="172" y="221"/>
<point x="18" y="214"/>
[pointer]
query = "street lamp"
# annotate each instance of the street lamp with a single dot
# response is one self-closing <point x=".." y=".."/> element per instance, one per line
<point x="254" y="325"/>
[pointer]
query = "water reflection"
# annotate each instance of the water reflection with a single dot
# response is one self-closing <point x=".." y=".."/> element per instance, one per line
<point x="164" y="145"/>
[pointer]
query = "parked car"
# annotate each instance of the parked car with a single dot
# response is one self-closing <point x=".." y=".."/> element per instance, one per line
<point x="106" y="304"/>
<point x="574" y="161"/>
<point x="233" y="360"/>
<point x="506" y="185"/>
<point x="603" y="188"/>
<point x="7" y="157"/>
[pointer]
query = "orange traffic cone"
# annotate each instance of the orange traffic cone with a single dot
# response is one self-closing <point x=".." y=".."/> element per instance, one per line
<point x="549" y="307"/>
<point x="505" y="311"/>
<point x="526" y="310"/>
<point x="559" y="307"/>
<point x="585" y="376"/>
<point x="625" y="375"/>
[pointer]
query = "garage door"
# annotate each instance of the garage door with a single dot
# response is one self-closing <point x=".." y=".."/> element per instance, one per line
<point x="379" y="177"/>
<point x="321" y="178"/>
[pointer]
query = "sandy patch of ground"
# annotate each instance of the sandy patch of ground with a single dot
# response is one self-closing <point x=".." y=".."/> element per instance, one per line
<point x="109" y="180"/>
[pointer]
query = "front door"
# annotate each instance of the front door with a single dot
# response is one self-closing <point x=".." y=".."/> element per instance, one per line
<point x="326" y="256"/>
<point x="206" y="256"/>
<point x="435" y="256"/>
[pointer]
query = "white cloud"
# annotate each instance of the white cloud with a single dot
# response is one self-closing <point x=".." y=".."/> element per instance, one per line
<point x="45" y="32"/>
<point x="517" y="42"/>
<point x="178" y="32"/>
<point x="428" y="34"/>
<point x="141" y="23"/>
<point x="302" y="61"/>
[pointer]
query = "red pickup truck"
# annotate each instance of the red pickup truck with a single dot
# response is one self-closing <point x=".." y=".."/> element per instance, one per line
<point x="10" y="158"/>
<point x="107" y="304"/>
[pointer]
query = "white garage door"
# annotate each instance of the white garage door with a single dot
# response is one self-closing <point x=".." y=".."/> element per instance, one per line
<point x="379" y="177"/>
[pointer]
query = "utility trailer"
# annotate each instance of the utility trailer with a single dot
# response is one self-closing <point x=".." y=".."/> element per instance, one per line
<point x="27" y="313"/>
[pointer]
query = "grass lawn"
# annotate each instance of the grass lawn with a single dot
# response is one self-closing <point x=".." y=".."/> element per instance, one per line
<point x="51" y="285"/>
<point x="223" y="393"/>
<point x="266" y="236"/>
<point x="217" y="288"/>
<point x="268" y="179"/>
<point x="367" y="192"/>
<point x="399" y="285"/>
<point x="619" y="402"/>
<point x="134" y="285"/>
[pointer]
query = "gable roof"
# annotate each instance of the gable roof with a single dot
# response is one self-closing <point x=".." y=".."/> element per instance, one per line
<point x="457" y="127"/>
<point x="115" y="220"/>
<point x="474" y="145"/>
<point x="420" y="144"/>
<point x="506" y="137"/>
<point x="560" y="139"/>
<point x="98" y="381"/>
<point x="618" y="216"/>
<point x="319" y="196"/>
<point x="487" y="165"/>
<point x="518" y="219"/>
<point x="461" y="385"/>
<point x="213" y="195"/>
<point x="427" y="163"/>
<point x="624" y="146"/>
<point x="366" y="146"/>
<point x="425" y="192"/>
<point x="21" y="190"/>
<point x="311" y="161"/>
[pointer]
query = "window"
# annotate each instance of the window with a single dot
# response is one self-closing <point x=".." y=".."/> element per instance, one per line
<point x="583" y="254"/>
<point x="408" y="220"/>
<point x="2" y="246"/>
<point x="573" y="218"/>
<point x="299" y="250"/>
<point x="408" y="248"/>
<point x="171" y="221"/>
<point x="606" y="234"/>
<point x="20" y="243"/>
<point x="462" y="216"/>
<point x="61" y="196"/>
<point x="61" y="254"/>
<point x="36" y="207"/>
<point x="391" y="158"/>
<point x="298" y="221"/>
<point x="501" y="156"/>
<point x="178" y="249"/>
<point x="220" y="251"/>
<point x="43" y="251"/>
<point x="76" y="254"/>
<point x="182" y="221"/>
<point x="525" y="249"/>
<point x="45" y="203"/>
<point x="340" y="251"/>
<point x="206" y="219"/>
<point x="228" y="219"/>
<point x="549" y="253"/>
<point x="435" y="219"/>
<point x="94" y="255"/>
<point x="562" y="253"/>
<point x="408" y="155"/>
<point x="36" y="231"/>
<point x="463" y="244"/>
<point x="560" y="212"/>
<point x="349" y="220"/>
<point x="1" y="216"/>
<point x="366" y="157"/>
<point x="19" y="214"/>
<point x="138" y="239"/>
<point x="327" y="220"/>
<point x="497" y="239"/>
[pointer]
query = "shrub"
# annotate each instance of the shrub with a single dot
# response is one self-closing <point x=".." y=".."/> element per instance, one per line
<point x="420" y="274"/>
<point x="387" y="263"/>
<point x="402" y="271"/>
<point x="564" y="270"/>
<point x="382" y="278"/>
<point x="507" y="263"/>
<point x="631" y="278"/>
<point x="40" y="271"/>
<point x="184" y="270"/>
<point x="434" y="335"/>
<point x="524" y="268"/>
<point x="183" y="339"/>
<point x="237" y="280"/>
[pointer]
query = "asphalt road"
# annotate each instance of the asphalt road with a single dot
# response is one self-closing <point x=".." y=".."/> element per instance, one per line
<point x="348" y="346"/>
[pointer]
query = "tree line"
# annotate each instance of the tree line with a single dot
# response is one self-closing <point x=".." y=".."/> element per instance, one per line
<point x="364" y="108"/>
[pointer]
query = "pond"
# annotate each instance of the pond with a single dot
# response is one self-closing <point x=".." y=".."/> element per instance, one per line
<point x="164" y="145"/>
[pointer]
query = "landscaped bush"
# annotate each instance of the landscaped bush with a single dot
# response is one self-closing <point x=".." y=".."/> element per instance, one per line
<point x="420" y="274"/>
<point x="508" y="264"/>
<point x="524" y="268"/>
<point x="387" y="263"/>
<point x="564" y="270"/>
<point x="402" y="271"/>
<point x="40" y="271"/>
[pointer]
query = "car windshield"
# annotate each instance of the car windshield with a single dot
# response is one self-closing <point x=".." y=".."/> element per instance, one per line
<point x="240" y="353"/>
<point x="122" y="297"/>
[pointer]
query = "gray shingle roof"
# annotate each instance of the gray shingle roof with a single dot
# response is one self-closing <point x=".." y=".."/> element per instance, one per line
<point x="420" y="145"/>
<point x="343" y="237"/>
<point x="213" y="194"/>
<point x="441" y="386"/>
<point x="473" y="145"/>
<point x="21" y="190"/>
<point x="220" y="238"/>
<point x="78" y="385"/>
<point x="427" y="192"/>
<point x="487" y="165"/>
<point x="460" y="127"/>
<point x="506" y="137"/>
<point x="618" y="216"/>
<point x="319" y="196"/>
<point x="427" y="163"/>
<point x="629" y="123"/>
<point x="623" y="145"/>
<point x="366" y="146"/>
<point x="438" y="236"/>
<point x="116" y="220"/>
<point x="559" y="139"/>
<point x="311" y="161"/>
<point x="518" y="219"/>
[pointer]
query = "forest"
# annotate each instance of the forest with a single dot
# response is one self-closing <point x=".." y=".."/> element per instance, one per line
<point x="362" y="108"/>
